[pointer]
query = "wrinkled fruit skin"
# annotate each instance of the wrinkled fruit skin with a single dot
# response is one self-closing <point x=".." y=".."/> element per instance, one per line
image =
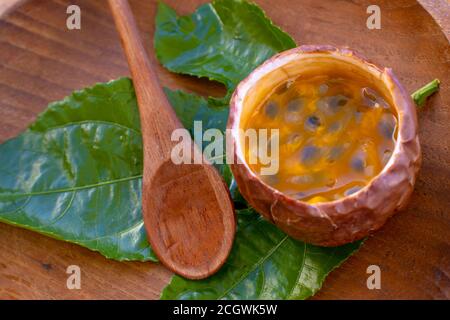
<point x="352" y="217"/>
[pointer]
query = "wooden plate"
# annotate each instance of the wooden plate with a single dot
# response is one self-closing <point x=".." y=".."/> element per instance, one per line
<point x="41" y="61"/>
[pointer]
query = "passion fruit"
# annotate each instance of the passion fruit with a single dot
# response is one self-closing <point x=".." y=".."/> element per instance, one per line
<point x="357" y="211"/>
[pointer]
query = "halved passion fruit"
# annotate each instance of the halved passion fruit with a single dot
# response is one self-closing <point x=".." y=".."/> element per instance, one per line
<point x="347" y="150"/>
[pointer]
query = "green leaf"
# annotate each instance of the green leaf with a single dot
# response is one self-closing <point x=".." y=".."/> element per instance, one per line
<point x="75" y="174"/>
<point x="223" y="41"/>
<point x="265" y="263"/>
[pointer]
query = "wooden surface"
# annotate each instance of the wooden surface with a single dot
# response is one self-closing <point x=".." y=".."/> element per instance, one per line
<point x="41" y="61"/>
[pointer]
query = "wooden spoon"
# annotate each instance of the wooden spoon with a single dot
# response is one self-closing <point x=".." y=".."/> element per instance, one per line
<point x="187" y="209"/>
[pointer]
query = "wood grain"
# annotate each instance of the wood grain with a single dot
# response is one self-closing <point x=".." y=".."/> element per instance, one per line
<point x="41" y="61"/>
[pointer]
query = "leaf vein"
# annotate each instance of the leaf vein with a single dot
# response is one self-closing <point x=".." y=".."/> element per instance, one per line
<point x="70" y="189"/>
<point x="256" y="265"/>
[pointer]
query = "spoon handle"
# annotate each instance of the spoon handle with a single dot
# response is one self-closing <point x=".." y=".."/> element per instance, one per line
<point x="158" y="120"/>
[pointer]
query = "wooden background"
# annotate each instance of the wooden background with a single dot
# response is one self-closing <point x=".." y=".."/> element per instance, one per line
<point x="41" y="61"/>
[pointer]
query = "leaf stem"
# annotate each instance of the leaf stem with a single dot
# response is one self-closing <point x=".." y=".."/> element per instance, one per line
<point x="421" y="95"/>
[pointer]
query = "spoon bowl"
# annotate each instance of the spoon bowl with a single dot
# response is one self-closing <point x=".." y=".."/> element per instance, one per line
<point x="193" y="236"/>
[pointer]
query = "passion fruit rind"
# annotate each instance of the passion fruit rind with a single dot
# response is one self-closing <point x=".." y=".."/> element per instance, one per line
<point x="352" y="217"/>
